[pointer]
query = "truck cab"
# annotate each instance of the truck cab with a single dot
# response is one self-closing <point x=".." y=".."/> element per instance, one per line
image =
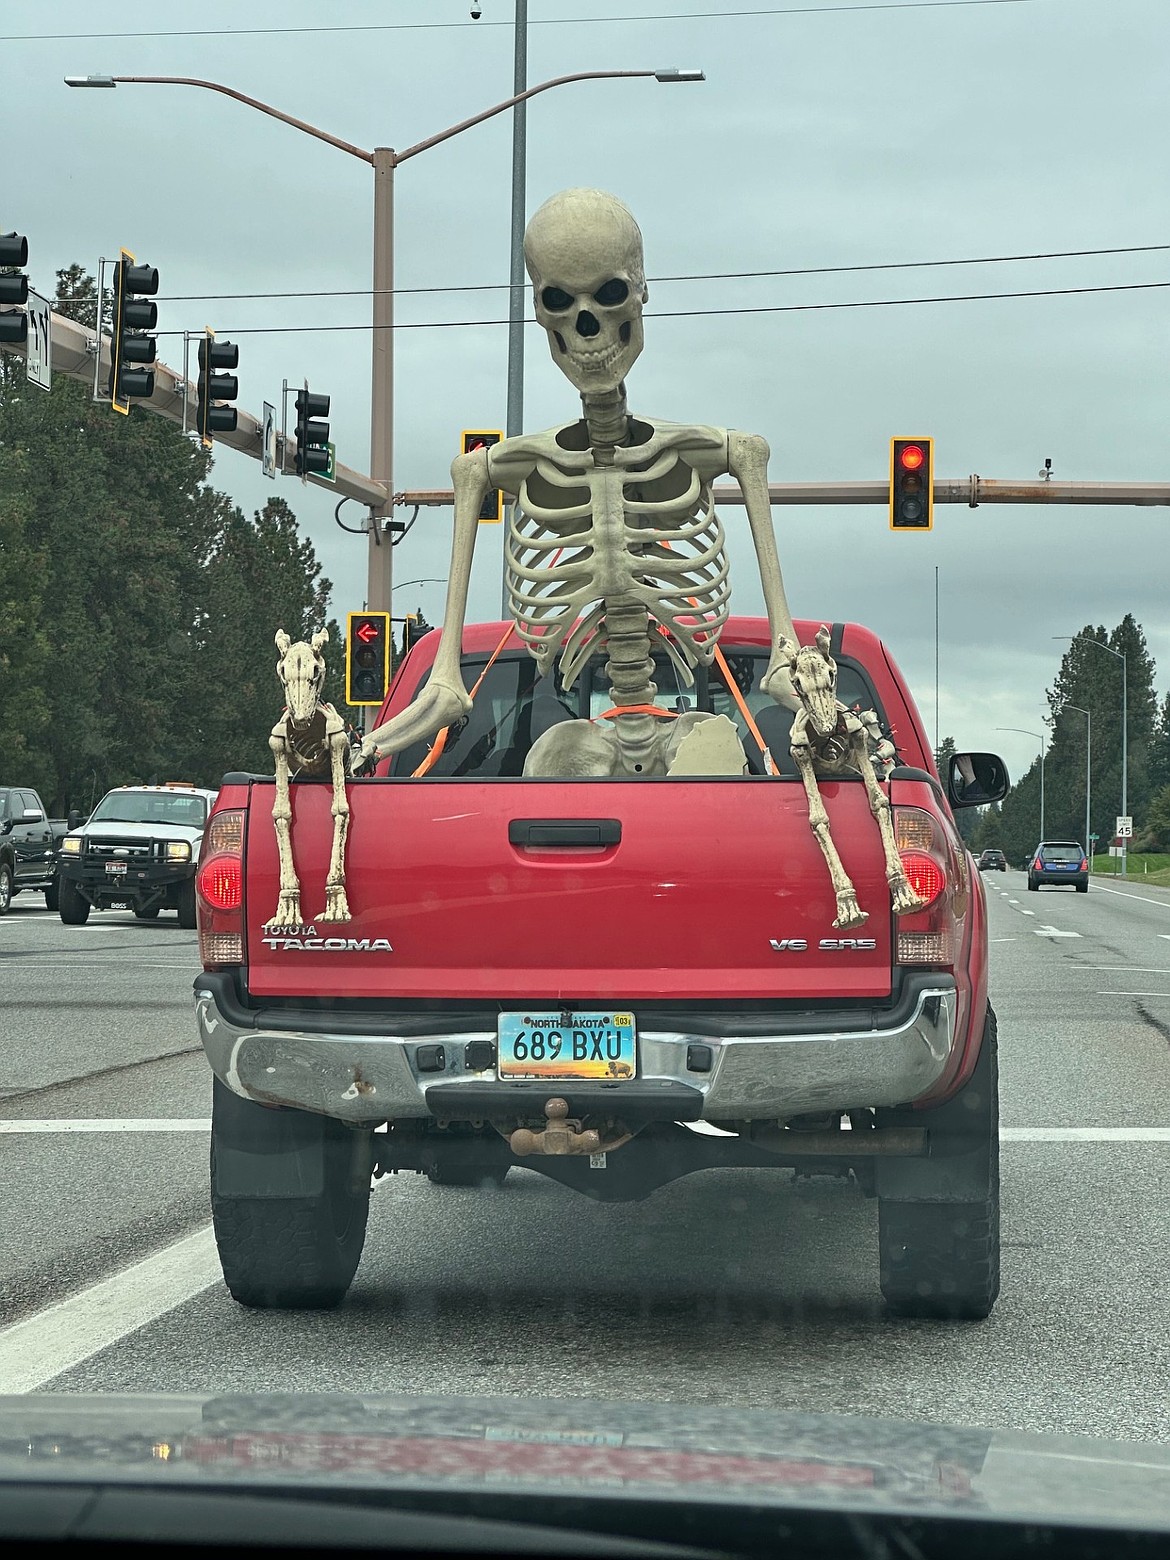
<point x="138" y="850"/>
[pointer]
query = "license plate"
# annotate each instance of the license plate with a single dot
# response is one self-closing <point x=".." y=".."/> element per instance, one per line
<point x="116" y="868"/>
<point x="590" y="1043"/>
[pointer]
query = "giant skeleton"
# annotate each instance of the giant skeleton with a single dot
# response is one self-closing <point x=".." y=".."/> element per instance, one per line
<point x="614" y="547"/>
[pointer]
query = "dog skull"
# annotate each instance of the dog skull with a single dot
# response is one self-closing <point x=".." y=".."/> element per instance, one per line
<point x="583" y="252"/>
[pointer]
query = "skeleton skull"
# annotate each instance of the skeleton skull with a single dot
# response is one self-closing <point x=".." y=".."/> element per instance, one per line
<point x="301" y="669"/>
<point x="583" y="251"/>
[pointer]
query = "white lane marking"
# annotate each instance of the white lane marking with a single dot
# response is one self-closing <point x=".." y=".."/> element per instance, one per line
<point x="1166" y="935"/>
<point x="1051" y="931"/>
<point x="1133" y="993"/>
<point x="1145" y="898"/>
<point x="112" y="1124"/>
<point x="61" y="1336"/>
<point x="1130" y="969"/>
<point x="1013" y="901"/>
<point x="1084" y="1134"/>
<point x="1001" y="939"/>
<point x="1027" y="912"/>
<point x="32" y="968"/>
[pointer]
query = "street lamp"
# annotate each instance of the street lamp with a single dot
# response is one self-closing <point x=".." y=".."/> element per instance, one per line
<point x="384" y="160"/>
<point x="1040" y="738"/>
<point x="1121" y="656"/>
<point x="1088" y="775"/>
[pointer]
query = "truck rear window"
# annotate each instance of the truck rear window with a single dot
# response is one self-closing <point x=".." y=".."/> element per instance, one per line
<point x="516" y="705"/>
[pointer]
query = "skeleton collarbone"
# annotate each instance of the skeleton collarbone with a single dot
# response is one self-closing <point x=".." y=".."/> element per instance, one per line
<point x="635" y="528"/>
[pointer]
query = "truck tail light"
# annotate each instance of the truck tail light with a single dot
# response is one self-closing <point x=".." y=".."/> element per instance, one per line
<point x="219" y="891"/>
<point x="938" y="876"/>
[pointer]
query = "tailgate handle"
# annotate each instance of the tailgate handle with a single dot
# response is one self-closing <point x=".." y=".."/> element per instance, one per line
<point x="564" y="831"/>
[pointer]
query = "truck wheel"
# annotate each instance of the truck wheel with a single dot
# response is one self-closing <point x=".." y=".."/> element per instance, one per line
<point x="439" y="1175"/>
<point x="150" y="913"/>
<point x="187" y="905"/>
<point x="52" y="896"/>
<point x="72" y="905"/>
<point x="938" y="1218"/>
<point x="5" y="890"/>
<point x="290" y="1192"/>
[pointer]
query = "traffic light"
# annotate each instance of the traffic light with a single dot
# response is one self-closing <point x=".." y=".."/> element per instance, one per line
<point x="367" y="656"/>
<point x="413" y="629"/>
<point x="132" y="350"/>
<point x="13" y="289"/>
<point x="911" y="484"/>
<point x="313" y="446"/>
<point x="215" y="386"/>
<point x="491" y="511"/>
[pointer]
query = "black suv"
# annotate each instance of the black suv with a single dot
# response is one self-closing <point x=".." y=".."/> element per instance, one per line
<point x="992" y="860"/>
<point x="1059" y="861"/>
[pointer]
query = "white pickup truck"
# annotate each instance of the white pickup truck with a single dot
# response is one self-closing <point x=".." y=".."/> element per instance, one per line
<point x="138" y="850"/>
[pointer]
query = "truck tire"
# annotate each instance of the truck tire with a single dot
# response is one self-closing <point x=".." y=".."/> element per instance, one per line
<point x="290" y="1192"/>
<point x="440" y="1175"/>
<point x="52" y="896"/>
<point x="187" y="905"/>
<point x="150" y="913"/>
<point x="72" y="906"/>
<point x="939" y="1245"/>
<point x="5" y="889"/>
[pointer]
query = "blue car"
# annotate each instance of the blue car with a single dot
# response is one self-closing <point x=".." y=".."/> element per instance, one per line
<point x="1059" y="861"/>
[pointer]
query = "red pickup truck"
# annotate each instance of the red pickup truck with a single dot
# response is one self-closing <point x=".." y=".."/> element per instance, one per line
<point x="614" y="982"/>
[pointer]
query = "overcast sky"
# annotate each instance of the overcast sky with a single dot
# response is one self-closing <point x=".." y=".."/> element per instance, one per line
<point x="825" y="135"/>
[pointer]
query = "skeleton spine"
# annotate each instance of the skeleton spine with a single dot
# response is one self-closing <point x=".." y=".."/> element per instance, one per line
<point x="627" y="623"/>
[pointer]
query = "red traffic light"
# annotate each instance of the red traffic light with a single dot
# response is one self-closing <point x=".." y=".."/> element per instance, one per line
<point x="366" y="632"/>
<point x="912" y="457"/>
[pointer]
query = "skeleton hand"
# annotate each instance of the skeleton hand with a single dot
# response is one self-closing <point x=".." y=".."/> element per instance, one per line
<point x="777" y="682"/>
<point x="440" y="704"/>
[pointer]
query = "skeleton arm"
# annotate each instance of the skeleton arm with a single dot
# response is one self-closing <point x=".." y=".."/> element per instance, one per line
<point x="444" y="698"/>
<point x="747" y="462"/>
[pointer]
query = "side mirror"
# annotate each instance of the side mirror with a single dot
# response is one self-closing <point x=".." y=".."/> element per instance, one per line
<point x="5" y="825"/>
<point x="32" y="815"/>
<point x="74" y="819"/>
<point x="976" y="779"/>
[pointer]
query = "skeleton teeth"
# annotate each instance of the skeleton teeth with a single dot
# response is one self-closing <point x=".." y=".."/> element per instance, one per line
<point x="593" y="361"/>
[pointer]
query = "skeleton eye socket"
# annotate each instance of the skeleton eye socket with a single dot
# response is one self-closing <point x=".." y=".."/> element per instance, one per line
<point x="611" y="293"/>
<point x="556" y="300"/>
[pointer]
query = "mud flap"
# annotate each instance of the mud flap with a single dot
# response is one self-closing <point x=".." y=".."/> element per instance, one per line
<point x="266" y="1152"/>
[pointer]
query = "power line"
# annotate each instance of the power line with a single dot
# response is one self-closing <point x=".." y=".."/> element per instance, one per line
<point x="675" y="314"/>
<point x="550" y="21"/>
<point x="707" y="276"/>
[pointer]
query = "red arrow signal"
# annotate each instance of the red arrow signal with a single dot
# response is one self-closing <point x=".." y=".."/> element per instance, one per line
<point x="366" y="632"/>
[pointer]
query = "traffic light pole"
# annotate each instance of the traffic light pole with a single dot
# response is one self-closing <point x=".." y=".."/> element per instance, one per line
<point x="972" y="491"/>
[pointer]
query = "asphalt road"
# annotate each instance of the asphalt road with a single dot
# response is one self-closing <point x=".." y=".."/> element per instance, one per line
<point x="732" y="1287"/>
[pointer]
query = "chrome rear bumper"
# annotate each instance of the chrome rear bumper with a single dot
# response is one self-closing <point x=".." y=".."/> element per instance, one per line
<point x="771" y="1077"/>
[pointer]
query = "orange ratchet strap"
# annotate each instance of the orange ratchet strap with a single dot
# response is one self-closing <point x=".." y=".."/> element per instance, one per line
<point x="637" y="709"/>
<point x="435" y="751"/>
<point x="749" y="719"/>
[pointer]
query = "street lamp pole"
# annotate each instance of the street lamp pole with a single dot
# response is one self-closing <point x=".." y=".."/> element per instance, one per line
<point x="1088" y="775"/>
<point x="1039" y="735"/>
<point x="1124" y="659"/>
<point x="384" y="160"/>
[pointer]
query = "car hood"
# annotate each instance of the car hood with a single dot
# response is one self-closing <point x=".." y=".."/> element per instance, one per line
<point x="543" y="1448"/>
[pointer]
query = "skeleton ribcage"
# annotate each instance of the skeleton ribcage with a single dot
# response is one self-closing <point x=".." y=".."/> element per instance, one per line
<point x="565" y="561"/>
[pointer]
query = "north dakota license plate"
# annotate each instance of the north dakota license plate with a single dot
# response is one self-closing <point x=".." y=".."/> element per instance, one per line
<point x="589" y="1043"/>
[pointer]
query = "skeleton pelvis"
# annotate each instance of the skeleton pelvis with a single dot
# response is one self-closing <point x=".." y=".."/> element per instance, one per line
<point x="697" y="743"/>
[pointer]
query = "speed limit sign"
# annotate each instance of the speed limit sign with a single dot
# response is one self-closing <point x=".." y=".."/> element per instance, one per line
<point x="1124" y="829"/>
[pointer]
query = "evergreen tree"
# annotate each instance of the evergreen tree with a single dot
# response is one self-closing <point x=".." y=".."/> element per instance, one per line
<point x="1159" y="754"/>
